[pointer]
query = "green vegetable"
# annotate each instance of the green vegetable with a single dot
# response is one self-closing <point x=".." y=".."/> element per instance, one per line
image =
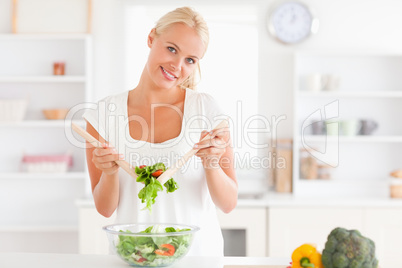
<point x="140" y="251"/>
<point x="348" y="249"/>
<point x="152" y="185"/>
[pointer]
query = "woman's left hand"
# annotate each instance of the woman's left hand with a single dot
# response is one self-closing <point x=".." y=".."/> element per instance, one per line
<point x="211" y="149"/>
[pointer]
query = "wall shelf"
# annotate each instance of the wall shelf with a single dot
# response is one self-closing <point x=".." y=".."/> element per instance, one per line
<point x="369" y="89"/>
<point x="40" y="229"/>
<point x="353" y="139"/>
<point x="26" y="72"/>
<point x="40" y="124"/>
<point x="66" y="36"/>
<point x="43" y="79"/>
<point x="45" y="176"/>
<point x="352" y="94"/>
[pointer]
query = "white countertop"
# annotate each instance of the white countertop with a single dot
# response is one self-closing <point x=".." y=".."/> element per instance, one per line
<point x="288" y="200"/>
<point x="51" y="260"/>
<point x="272" y="199"/>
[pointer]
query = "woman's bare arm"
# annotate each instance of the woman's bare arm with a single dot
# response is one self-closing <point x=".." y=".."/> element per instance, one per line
<point x="103" y="172"/>
<point x="218" y="161"/>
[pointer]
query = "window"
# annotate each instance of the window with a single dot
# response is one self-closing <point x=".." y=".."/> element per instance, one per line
<point x="229" y="69"/>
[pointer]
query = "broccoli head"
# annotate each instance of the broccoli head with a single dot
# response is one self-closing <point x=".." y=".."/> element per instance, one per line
<point x="348" y="249"/>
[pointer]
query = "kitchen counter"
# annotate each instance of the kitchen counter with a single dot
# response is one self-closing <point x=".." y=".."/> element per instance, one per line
<point x="288" y="200"/>
<point x="272" y="199"/>
<point x="49" y="260"/>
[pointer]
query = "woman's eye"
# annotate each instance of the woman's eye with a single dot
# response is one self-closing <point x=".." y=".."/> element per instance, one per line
<point x="171" y="49"/>
<point x="190" y="60"/>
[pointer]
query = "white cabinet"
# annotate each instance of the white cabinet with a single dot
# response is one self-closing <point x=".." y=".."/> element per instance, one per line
<point x="92" y="239"/>
<point x="288" y="228"/>
<point x="42" y="201"/>
<point x="370" y="88"/>
<point x="384" y="226"/>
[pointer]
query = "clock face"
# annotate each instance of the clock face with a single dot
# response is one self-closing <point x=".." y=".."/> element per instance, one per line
<point x="292" y="22"/>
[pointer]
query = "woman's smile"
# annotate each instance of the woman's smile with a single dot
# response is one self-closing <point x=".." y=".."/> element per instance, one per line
<point x="168" y="75"/>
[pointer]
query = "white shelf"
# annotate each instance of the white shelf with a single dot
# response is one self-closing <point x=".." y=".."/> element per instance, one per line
<point x="353" y="139"/>
<point x="370" y="88"/>
<point x="348" y="52"/>
<point x="35" y="176"/>
<point x="39" y="124"/>
<point x="43" y="36"/>
<point x="43" y="79"/>
<point x="341" y="181"/>
<point x="41" y="228"/>
<point x="352" y="94"/>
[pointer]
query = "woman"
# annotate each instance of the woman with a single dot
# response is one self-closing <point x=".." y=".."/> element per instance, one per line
<point x="157" y="122"/>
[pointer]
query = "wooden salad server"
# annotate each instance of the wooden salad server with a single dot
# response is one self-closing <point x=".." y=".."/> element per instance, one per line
<point x="180" y="163"/>
<point x="89" y="138"/>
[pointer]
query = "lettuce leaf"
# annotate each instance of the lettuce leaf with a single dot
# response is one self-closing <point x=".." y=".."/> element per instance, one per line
<point x="152" y="185"/>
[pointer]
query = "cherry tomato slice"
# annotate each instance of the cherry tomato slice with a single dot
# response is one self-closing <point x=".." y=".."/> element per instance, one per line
<point x="157" y="173"/>
<point x="142" y="166"/>
<point x="141" y="260"/>
<point x="166" y="250"/>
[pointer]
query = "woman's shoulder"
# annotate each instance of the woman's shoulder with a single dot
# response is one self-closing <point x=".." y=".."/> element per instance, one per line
<point x="200" y="97"/>
<point x="115" y="98"/>
<point x="204" y="104"/>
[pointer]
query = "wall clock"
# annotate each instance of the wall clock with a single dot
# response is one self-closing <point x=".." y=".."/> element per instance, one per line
<point x="291" y="22"/>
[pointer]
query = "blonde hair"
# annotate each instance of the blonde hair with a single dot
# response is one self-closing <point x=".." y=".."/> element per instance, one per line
<point x="191" y="18"/>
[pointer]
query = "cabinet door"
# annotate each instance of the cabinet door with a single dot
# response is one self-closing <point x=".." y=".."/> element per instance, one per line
<point x="92" y="239"/>
<point x="253" y="221"/>
<point x="289" y="228"/>
<point x="384" y="227"/>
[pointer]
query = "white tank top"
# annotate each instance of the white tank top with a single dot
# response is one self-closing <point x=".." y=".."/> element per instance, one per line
<point x="191" y="203"/>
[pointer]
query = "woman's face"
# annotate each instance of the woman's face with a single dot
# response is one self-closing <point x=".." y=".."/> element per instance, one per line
<point x="174" y="55"/>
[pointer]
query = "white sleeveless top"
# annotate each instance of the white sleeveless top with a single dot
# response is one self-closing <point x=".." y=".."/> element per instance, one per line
<point x="191" y="203"/>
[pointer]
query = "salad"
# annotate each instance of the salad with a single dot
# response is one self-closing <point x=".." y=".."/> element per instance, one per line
<point x="148" y="175"/>
<point x="153" y="250"/>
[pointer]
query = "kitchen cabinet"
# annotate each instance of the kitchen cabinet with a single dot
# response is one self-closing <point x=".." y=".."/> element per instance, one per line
<point x="333" y="92"/>
<point x="92" y="239"/>
<point x="42" y="202"/>
<point x="291" y="227"/>
<point x="383" y="225"/>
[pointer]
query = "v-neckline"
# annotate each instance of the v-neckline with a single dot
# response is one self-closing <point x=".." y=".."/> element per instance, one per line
<point x="166" y="141"/>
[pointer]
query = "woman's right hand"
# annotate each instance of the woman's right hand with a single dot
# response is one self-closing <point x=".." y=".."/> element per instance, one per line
<point x="105" y="159"/>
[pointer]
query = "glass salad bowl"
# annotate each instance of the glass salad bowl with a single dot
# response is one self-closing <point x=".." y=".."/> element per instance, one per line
<point x="150" y="244"/>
